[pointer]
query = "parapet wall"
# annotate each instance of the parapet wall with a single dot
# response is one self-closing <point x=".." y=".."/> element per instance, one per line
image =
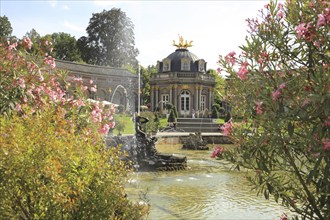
<point x="208" y="139"/>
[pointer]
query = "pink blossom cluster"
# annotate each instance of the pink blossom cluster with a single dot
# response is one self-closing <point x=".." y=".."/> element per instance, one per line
<point x="323" y="19"/>
<point x="27" y="43"/>
<point x="259" y="108"/>
<point x="326" y="143"/>
<point x="217" y="151"/>
<point x="227" y="128"/>
<point x="278" y="92"/>
<point x="230" y="58"/>
<point x="243" y="71"/>
<point x="253" y="25"/>
<point x="280" y="13"/>
<point x="50" y="61"/>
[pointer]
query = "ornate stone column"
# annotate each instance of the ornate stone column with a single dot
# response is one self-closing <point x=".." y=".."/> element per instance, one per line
<point x="171" y="100"/>
<point x="210" y="97"/>
<point x="152" y="98"/>
<point x="175" y="91"/>
<point x="196" y="98"/>
<point x="156" y="93"/>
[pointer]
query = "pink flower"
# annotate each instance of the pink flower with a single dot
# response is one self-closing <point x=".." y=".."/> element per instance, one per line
<point x="18" y="107"/>
<point x="301" y="29"/>
<point x="104" y="129"/>
<point x="280" y="6"/>
<point x="217" y="152"/>
<point x="280" y="14"/>
<point x="230" y="58"/>
<point x="284" y="217"/>
<point x="227" y="128"/>
<point x="21" y="83"/>
<point x="91" y="82"/>
<point x="282" y="86"/>
<point x="276" y="94"/>
<point x="93" y="88"/>
<point x="326" y="144"/>
<point x="28" y="43"/>
<point x="259" y="108"/>
<point x="243" y="71"/>
<point x="50" y="61"/>
<point x="320" y="21"/>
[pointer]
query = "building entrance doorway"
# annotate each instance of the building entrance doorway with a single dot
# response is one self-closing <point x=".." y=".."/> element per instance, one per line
<point x="185" y="103"/>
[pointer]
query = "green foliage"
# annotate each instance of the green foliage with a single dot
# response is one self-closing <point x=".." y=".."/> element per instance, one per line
<point x="65" y="47"/>
<point x="171" y="117"/>
<point x="48" y="171"/>
<point x="220" y="86"/>
<point x="120" y="124"/>
<point x="5" y="27"/>
<point x="215" y="111"/>
<point x="152" y="125"/>
<point x="110" y="39"/>
<point x="280" y="87"/>
<point x="54" y="163"/>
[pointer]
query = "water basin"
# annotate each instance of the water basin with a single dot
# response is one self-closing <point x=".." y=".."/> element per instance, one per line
<point x="207" y="189"/>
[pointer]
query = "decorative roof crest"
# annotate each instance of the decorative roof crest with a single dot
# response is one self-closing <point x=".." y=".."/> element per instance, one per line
<point x="182" y="44"/>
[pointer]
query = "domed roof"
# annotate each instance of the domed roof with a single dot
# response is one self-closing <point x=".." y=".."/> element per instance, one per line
<point x="177" y="57"/>
<point x="182" y="53"/>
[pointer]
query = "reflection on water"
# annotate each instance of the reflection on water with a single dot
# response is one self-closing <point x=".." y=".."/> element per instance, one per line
<point x="208" y="189"/>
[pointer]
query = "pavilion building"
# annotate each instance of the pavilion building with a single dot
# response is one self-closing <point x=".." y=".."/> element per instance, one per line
<point x="183" y="81"/>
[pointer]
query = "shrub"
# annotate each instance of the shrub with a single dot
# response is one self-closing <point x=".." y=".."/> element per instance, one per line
<point x="53" y="160"/>
<point x="280" y="86"/>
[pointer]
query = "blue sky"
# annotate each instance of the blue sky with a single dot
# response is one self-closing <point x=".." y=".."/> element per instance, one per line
<point x="215" y="27"/>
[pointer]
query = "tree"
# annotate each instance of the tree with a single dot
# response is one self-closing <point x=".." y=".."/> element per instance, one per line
<point x="111" y="39"/>
<point x="65" y="47"/>
<point x="146" y="74"/>
<point x="220" y="84"/>
<point x="5" y="27"/>
<point x="280" y="85"/>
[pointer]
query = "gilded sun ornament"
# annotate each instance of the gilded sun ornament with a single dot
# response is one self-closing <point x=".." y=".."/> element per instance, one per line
<point x="183" y="44"/>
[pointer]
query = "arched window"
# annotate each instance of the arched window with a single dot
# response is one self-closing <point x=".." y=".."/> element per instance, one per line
<point x="185" y="64"/>
<point x="185" y="102"/>
<point x="166" y="65"/>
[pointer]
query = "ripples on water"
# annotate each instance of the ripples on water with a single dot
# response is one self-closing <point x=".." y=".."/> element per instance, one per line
<point x="206" y="190"/>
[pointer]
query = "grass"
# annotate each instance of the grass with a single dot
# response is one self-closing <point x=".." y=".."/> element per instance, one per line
<point x="126" y="123"/>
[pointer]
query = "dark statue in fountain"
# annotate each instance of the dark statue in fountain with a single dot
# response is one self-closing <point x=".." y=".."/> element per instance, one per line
<point x="194" y="142"/>
<point x="142" y="151"/>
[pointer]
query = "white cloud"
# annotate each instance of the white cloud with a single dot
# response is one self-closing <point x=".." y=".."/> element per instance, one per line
<point x="74" y="27"/>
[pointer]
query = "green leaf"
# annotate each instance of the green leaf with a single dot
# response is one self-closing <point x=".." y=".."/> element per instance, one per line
<point x="290" y="128"/>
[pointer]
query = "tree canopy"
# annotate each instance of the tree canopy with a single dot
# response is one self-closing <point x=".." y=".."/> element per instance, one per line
<point x="110" y="40"/>
<point x="65" y="47"/>
<point x="5" y="27"/>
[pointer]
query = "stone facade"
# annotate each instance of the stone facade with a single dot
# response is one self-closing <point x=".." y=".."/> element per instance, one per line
<point x="115" y="85"/>
<point x="183" y="81"/>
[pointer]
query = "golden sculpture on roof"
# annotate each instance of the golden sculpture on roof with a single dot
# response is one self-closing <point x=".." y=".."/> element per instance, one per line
<point x="182" y="44"/>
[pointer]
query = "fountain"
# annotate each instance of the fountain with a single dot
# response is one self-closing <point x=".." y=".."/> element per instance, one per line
<point x="125" y="92"/>
<point x="142" y="152"/>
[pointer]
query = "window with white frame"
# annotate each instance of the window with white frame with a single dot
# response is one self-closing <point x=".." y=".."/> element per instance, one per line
<point x="165" y="100"/>
<point x="185" y="64"/>
<point x="203" y="102"/>
<point x="201" y="66"/>
<point x="166" y="65"/>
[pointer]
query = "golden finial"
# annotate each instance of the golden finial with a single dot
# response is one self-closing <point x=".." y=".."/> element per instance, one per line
<point x="182" y="44"/>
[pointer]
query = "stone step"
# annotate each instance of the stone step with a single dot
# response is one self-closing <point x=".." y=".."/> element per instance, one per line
<point x="195" y="120"/>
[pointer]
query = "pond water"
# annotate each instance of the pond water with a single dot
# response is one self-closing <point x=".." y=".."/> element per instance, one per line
<point x="207" y="189"/>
